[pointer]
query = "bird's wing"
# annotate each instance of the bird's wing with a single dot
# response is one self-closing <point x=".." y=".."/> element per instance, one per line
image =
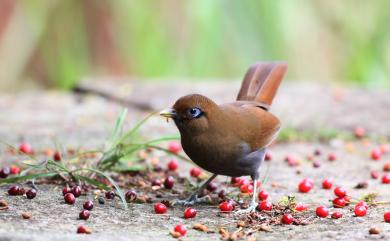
<point x="261" y="82"/>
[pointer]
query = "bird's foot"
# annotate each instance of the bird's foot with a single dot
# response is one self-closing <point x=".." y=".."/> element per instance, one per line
<point x="193" y="199"/>
<point x="252" y="208"/>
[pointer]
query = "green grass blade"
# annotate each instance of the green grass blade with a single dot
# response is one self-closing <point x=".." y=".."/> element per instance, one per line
<point x="136" y="127"/>
<point x="93" y="182"/>
<point x="27" y="177"/>
<point x="117" y="129"/>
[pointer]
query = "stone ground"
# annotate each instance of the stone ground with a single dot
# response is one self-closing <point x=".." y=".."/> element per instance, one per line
<point x="49" y="119"/>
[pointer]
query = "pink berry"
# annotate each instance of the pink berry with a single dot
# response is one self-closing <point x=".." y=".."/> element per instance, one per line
<point x="287" y="218"/>
<point x="174" y="147"/>
<point x="374" y="174"/>
<point x="331" y="157"/>
<point x="226" y="206"/>
<point x="160" y="208"/>
<point x="376" y="154"/>
<point x="195" y="172"/>
<point x="173" y="165"/>
<point x="189" y="213"/>
<point x="339" y="202"/>
<point x="263" y="195"/>
<point x="340" y="192"/>
<point x="360" y="211"/>
<point x="305" y="186"/>
<point x="264" y="206"/>
<point x="386" y="178"/>
<point x="337" y="215"/>
<point x="25" y="148"/>
<point x="359" y="132"/>
<point x="386" y="216"/>
<point x="327" y="184"/>
<point x="322" y="212"/>
<point x="181" y="229"/>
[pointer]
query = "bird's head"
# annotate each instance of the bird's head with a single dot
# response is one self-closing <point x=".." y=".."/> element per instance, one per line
<point x="191" y="113"/>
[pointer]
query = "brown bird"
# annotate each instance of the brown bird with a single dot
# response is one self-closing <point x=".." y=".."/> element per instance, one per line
<point x="230" y="139"/>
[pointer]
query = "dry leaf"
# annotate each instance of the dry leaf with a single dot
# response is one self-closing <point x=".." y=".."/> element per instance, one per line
<point x="175" y="234"/>
<point x="200" y="227"/>
<point x="374" y="230"/>
<point x="26" y="215"/>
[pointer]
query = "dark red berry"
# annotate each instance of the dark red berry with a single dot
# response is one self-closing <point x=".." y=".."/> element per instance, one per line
<point x="156" y="183"/>
<point x="268" y="156"/>
<point x="316" y="164"/>
<point x="31" y="193"/>
<point x="360" y="211"/>
<point x="160" y="208"/>
<point x="376" y="154"/>
<point x="264" y="206"/>
<point x="386" y="217"/>
<point x="331" y="157"/>
<point x="222" y="194"/>
<point x="374" y="174"/>
<point x="189" y="212"/>
<point x="14" y="191"/>
<point x="287" y="218"/>
<point x="173" y="165"/>
<point x="25" y="148"/>
<point x="88" y="205"/>
<point x="263" y="195"/>
<point x="130" y="195"/>
<point x="339" y="202"/>
<point x="57" y="156"/>
<point x="226" y="206"/>
<point x="337" y="215"/>
<point x="83" y="229"/>
<point x="305" y="186"/>
<point x="195" y="172"/>
<point x="69" y="198"/>
<point x="212" y="187"/>
<point x="327" y="184"/>
<point x="317" y="152"/>
<point x="4" y="172"/>
<point x="169" y="182"/>
<point x="181" y="229"/>
<point x="66" y="190"/>
<point x="76" y="190"/>
<point x="340" y="192"/>
<point x="322" y="212"/>
<point x="386" y="178"/>
<point x="84" y="214"/>
<point x="110" y="195"/>
<point x="174" y="147"/>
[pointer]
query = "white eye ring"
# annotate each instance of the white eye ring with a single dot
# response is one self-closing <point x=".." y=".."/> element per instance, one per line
<point x="194" y="112"/>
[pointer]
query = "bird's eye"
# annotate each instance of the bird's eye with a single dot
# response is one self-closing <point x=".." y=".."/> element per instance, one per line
<point x="195" y="112"/>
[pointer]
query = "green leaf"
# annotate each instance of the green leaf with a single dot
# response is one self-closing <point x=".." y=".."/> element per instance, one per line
<point x="27" y="177"/>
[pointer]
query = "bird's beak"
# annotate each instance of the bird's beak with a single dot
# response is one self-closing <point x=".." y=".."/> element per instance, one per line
<point x="168" y="113"/>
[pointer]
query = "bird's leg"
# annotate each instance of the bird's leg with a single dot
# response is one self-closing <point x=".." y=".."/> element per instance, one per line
<point x="253" y="205"/>
<point x="194" y="197"/>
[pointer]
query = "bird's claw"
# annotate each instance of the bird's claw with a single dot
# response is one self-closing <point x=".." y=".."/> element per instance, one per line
<point x="252" y="208"/>
<point x="193" y="199"/>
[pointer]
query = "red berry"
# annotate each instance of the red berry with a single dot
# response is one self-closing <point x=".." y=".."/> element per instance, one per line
<point x="386" y="216"/>
<point x="83" y="229"/>
<point x="195" y="172"/>
<point x="130" y="195"/>
<point x="4" y="172"/>
<point x="305" y="186"/>
<point x="243" y="181"/>
<point x="362" y="203"/>
<point x="156" y="182"/>
<point x="386" y="179"/>
<point x="374" y="174"/>
<point x="160" y="208"/>
<point x="189" y="213"/>
<point x="264" y="206"/>
<point x="66" y="190"/>
<point x="226" y="206"/>
<point x="337" y="215"/>
<point x="235" y="180"/>
<point x="339" y="202"/>
<point x="268" y="156"/>
<point x="69" y="198"/>
<point x="309" y="180"/>
<point x="31" y="193"/>
<point x="76" y="190"/>
<point x="14" y="191"/>
<point x="360" y="211"/>
<point x="376" y="154"/>
<point x="169" y="182"/>
<point x="15" y="170"/>
<point x="327" y="184"/>
<point x="25" y="148"/>
<point x="347" y="199"/>
<point x="359" y="132"/>
<point x="57" y="156"/>
<point x="300" y="207"/>
<point x="110" y="195"/>
<point x="322" y="212"/>
<point x="263" y="195"/>
<point x="331" y="157"/>
<point x="247" y="188"/>
<point x="174" y="147"/>
<point x="340" y="192"/>
<point x="88" y="205"/>
<point x="287" y="218"/>
<point x="211" y="187"/>
<point x="181" y="229"/>
<point x="173" y="165"/>
<point x="84" y="214"/>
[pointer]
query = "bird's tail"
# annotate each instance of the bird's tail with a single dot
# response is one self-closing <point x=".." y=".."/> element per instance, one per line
<point x="261" y="82"/>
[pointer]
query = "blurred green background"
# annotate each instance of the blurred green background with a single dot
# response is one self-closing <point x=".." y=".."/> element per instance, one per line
<point x="56" y="43"/>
